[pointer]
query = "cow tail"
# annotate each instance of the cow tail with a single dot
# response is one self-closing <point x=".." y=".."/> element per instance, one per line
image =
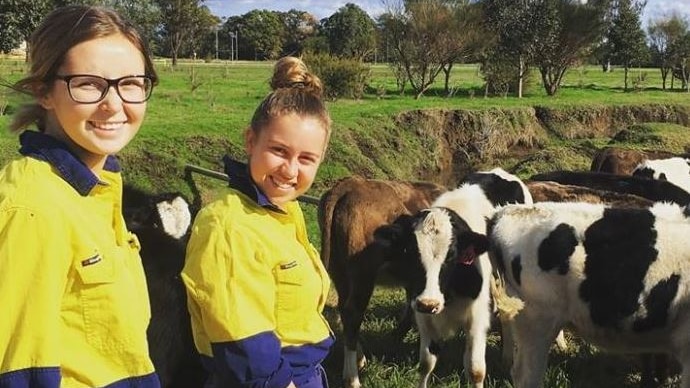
<point x="507" y="306"/>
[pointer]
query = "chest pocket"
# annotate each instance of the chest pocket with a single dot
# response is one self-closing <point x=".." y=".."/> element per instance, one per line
<point x="290" y="277"/>
<point x="114" y="300"/>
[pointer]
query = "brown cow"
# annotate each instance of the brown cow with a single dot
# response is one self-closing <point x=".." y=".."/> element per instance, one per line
<point x="349" y="214"/>
<point x="543" y="191"/>
<point x="622" y="161"/>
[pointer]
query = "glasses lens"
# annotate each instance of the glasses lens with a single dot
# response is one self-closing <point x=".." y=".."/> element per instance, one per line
<point x="135" y="89"/>
<point x="87" y="89"/>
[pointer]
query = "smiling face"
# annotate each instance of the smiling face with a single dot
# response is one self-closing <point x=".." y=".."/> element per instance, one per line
<point x="94" y="131"/>
<point x="285" y="155"/>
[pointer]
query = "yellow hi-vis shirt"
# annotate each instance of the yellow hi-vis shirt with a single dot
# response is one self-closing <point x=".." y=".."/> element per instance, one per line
<point x="256" y="289"/>
<point x="72" y="288"/>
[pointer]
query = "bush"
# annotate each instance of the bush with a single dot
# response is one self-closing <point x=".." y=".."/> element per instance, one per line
<point x="342" y="78"/>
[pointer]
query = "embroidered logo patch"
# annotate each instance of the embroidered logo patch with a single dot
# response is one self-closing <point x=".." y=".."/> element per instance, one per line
<point x="91" y="260"/>
<point x="289" y="265"/>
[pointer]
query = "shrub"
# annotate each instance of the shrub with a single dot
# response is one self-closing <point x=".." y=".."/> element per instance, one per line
<point x="342" y="78"/>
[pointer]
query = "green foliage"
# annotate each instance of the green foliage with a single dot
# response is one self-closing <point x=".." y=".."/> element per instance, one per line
<point x="350" y="32"/>
<point x="342" y="77"/>
<point x="626" y="39"/>
<point x="263" y="34"/>
<point x="18" y="19"/>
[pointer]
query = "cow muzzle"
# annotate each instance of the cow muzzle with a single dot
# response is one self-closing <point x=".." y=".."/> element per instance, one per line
<point x="428" y="306"/>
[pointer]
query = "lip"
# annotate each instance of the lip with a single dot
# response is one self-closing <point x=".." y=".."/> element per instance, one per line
<point x="106" y="125"/>
<point x="282" y="186"/>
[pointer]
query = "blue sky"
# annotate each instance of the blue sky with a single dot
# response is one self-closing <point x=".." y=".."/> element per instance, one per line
<point x="325" y="8"/>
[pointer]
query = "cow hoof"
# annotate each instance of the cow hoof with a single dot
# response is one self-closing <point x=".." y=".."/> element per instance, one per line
<point x="361" y="362"/>
<point x="352" y="383"/>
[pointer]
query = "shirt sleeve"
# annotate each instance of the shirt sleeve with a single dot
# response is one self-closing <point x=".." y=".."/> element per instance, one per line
<point x="231" y="290"/>
<point x="34" y="263"/>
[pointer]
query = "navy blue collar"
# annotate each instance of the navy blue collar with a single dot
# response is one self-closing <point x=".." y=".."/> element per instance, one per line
<point x="40" y="146"/>
<point x="240" y="180"/>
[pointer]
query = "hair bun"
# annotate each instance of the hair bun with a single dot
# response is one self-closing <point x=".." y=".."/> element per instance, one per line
<point x="291" y="72"/>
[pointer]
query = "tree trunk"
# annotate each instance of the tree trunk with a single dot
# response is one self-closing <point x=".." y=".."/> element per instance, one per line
<point x="520" y="77"/>
<point x="625" y="87"/>
<point x="446" y="72"/>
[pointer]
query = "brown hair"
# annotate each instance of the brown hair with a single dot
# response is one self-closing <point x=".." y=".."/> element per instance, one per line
<point x="61" y="30"/>
<point x="294" y="90"/>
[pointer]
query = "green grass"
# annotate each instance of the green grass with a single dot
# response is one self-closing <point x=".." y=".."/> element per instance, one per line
<point x="199" y="111"/>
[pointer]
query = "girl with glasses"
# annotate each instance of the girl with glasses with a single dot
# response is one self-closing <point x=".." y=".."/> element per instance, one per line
<point x="256" y="286"/>
<point x="72" y="289"/>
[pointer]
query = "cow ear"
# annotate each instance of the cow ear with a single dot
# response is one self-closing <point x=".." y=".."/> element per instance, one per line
<point x="387" y="235"/>
<point x="475" y="242"/>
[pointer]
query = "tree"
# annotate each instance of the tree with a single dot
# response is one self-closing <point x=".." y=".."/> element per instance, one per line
<point x="351" y="32"/>
<point x="18" y="20"/>
<point x="262" y="32"/>
<point x="626" y="39"/>
<point x="144" y="14"/>
<point x="567" y="33"/>
<point x="426" y="38"/>
<point x="299" y="26"/>
<point x="515" y="25"/>
<point x="664" y="35"/>
<point x="179" y="20"/>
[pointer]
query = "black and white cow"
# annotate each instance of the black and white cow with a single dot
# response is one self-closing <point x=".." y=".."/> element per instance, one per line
<point x="450" y="274"/>
<point x="619" y="276"/>
<point x="675" y="170"/>
<point x="161" y="223"/>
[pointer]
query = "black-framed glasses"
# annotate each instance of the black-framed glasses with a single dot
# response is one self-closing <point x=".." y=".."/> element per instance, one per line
<point x="90" y="89"/>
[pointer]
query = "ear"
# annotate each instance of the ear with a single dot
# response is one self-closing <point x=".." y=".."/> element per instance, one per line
<point x="249" y="140"/>
<point x="388" y="235"/>
<point x="475" y="245"/>
<point x="45" y="101"/>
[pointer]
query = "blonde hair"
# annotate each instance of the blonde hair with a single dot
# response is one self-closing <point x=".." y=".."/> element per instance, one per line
<point x="61" y="30"/>
<point x="294" y="90"/>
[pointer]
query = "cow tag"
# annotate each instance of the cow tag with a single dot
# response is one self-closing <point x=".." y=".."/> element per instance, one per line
<point x="467" y="256"/>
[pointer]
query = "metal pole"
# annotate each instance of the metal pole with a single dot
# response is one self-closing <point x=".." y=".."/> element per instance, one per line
<point x="216" y="42"/>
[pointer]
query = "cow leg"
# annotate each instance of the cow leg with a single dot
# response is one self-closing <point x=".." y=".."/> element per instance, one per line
<point x="533" y="337"/>
<point x="476" y="329"/>
<point x="351" y="314"/>
<point x="507" y="341"/>
<point x="406" y="318"/>
<point x="428" y="348"/>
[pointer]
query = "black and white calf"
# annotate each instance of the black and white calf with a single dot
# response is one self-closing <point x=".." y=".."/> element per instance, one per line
<point x="619" y="276"/>
<point x="449" y="272"/>
<point x="161" y="223"/>
<point x="676" y="170"/>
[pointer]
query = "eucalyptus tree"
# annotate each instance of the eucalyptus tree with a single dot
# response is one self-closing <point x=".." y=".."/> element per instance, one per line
<point x="514" y="25"/>
<point x="180" y="22"/>
<point x="351" y="32"/>
<point x="626" y="39"/>
<point x="664" y="35"/>
<point x="263" y="34"/>
<point x="298" y="27"/>
<point x="567" y="33"/>
<point x="426" y="37"/>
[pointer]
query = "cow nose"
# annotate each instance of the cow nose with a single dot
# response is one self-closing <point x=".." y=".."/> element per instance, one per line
<point x="428" y="306"/>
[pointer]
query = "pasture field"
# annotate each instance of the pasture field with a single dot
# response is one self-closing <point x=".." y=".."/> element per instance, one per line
<point x="199" y="111"/>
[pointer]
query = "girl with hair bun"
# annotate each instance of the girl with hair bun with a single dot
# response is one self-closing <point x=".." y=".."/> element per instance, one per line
<point x="256" y="286"/>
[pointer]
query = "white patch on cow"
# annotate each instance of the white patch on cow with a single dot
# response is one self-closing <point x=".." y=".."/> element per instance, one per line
<point x="676" y="170"/>
<point x="175" y="216"/>
<point x="434" y="235"/>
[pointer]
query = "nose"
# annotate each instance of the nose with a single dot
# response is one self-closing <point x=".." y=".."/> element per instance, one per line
<point x="428" y="306"/>
<point x="112" y="100"/>
<point x="290" y="168"/>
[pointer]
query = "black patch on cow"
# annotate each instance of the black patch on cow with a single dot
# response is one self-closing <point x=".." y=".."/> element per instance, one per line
<point x="619" y="249"/>
<point x="657" y="304"/>
<point x="499" y="191"/>
<point x="462" y="279"/>
<point x="556" y="249"/>
<point x="434" y="348"/>
<point x="645" y="172"/>
<point x="516" y="265"/>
